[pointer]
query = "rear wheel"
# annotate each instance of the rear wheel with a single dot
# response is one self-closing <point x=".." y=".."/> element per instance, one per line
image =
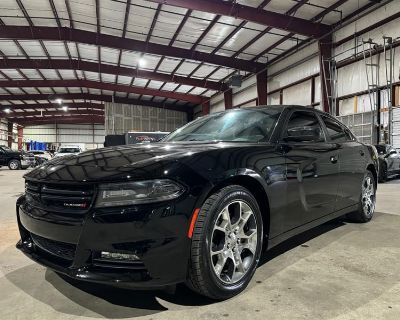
<point x="226" y="243"/>
<point x="366" y="207"/>
<point x="14" y="164"/>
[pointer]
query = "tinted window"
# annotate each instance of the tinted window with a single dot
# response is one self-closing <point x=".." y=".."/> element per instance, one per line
<point x="233" y="126"/>
<point x="69" y="150"/>
<point x="335" y="131"/>
<point x="305" y="123"/>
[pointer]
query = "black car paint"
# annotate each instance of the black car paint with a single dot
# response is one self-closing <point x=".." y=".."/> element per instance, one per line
<point x="297" y="185"/>
<point x="389" y="158"/>
<point x="6" y="155"/>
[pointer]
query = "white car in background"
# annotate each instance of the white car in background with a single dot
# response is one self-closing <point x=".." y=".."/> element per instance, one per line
<point x="66" y="150"/>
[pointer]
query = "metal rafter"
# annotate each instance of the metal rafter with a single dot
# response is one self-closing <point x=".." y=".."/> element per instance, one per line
<point x="238" y="11"/>
<point x="106" y="40"/>
<point x="96" y="119"/>
<point x="51" y="113"/>
<point x="101" y="86"/>
<point x="37" y="107"/>
<point x="108" y="69"/>
<point x="178" y="30"/>
<point x="92" y="97"/>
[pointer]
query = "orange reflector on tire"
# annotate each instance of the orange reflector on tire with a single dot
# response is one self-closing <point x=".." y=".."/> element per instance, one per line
<point x="192" y="222"/>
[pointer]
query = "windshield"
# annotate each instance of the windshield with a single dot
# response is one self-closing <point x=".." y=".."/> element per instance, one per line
<point x="69" y="150"/>
<point x="242" y="125"/>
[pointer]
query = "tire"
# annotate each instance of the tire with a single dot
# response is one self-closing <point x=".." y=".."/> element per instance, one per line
<point x="383" y="173"/>
<point x="14" y="164"/>
<point x="366" y="208"/>
<point x="244" y="242"/>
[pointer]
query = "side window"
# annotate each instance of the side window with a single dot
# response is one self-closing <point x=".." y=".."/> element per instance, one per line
<point x="304" y="126"/>
<point x="335" y="131"/>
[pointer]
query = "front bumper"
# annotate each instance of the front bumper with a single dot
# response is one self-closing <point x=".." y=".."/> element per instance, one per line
<point x="157" y="234"/>
<point x="26" y="163"/>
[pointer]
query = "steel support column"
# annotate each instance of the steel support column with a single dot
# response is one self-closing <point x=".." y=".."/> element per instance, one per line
<point x="325" y="55"/>
<point x="206" y="108"/>
<point x="228" y="98"/>
<point x="20" y="137"/>
<point x="10" y="133"/>
<point x="262" y="88"/>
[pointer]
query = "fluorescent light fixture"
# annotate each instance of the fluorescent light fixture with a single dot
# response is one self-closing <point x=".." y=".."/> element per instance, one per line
<point x="142" y="62"/>
<point x="65" y="108"/>
<point x="59" y="101"/>
<point x="7" y="110"/>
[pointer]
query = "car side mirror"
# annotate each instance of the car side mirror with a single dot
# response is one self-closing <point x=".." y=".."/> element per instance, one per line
<point x="303" y="134"/>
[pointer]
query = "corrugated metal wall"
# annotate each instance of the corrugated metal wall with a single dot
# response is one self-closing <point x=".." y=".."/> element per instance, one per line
<point x="122" y="118"/>
<point x="91" y="135"/>
<point x="304" y="63"/>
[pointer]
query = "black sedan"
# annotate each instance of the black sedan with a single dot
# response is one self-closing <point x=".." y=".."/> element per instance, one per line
<point x="389" y="162"/>
<point x="199" y="206"/>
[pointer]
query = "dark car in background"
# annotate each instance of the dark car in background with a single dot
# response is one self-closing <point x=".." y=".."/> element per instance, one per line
<point x="199" y="206"/>
<point x="389" y="161"/>
<point x="15" y="159"/>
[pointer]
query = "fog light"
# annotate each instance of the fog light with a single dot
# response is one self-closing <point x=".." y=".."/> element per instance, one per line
<point x="119" y="256"/>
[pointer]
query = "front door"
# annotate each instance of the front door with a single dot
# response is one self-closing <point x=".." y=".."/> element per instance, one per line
<point x="312" y="171"/>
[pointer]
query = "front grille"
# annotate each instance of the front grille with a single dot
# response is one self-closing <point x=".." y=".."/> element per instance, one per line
<point x="60" y="198"/>
<point x="60" y="249"/>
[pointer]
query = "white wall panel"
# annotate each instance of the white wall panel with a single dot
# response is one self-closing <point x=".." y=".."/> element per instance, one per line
<point x="298" y="95"/>
<point x="273" y="99"/>
<point x="122" y="118"/>
<point x="91" y="135"/>
<point x="372" y="18"/>
<point x="294" y="74"/>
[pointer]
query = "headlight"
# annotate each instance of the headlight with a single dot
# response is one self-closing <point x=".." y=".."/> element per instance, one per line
<point x="131" y="193"/>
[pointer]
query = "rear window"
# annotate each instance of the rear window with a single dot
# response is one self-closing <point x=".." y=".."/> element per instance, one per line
<point x="335" y="131"/>
<point x="69" y="150"/>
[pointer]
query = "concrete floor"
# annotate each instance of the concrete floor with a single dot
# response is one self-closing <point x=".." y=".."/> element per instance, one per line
<point x="337" y="271"/>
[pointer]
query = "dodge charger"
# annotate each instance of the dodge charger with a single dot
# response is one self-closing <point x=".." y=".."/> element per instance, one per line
<point x="200" y="206"/>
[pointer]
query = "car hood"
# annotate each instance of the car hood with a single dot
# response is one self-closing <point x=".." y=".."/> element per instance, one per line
<point x="145" y="161"/>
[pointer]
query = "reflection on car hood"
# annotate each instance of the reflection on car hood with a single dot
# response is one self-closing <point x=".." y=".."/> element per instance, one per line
<point x="110" y="164"/>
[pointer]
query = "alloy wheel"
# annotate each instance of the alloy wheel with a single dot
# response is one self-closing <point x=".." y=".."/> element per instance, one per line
<point x="233" y="242"/>
<point x="368" y="196"/>
<point x="13" y="165"/>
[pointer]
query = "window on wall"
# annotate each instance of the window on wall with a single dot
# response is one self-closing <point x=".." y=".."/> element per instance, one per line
<point x="335" y="131"/>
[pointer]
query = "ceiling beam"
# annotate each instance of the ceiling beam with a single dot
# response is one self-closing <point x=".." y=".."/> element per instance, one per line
<point x="67" y="64"/>
<point x="101" y="86"/>
<point x="45" y="113"/>
<point x="35" y="106"/>
<point x="251" y="14"/>
<point x="59" y="119"/>
<point x="93" y="97"/>
<point x="106" y="40"/>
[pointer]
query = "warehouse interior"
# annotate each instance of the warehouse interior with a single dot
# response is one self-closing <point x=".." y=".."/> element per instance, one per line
<point x="74" y="72"/>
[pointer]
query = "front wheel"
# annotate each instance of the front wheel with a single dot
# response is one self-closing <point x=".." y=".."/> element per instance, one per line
<point x="226" y="243"/>
<point x="366" y="206"/>
<point x="14" y="164"/>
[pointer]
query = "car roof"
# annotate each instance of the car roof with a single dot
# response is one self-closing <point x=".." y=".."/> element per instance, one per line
<point x="283" y="107"/>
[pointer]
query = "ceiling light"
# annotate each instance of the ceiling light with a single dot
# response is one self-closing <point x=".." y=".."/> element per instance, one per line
<point x="65" y="108"/>
<point x="7" y="110"/>
<point x="59" y="101"/>
<point x="142" y="62"/>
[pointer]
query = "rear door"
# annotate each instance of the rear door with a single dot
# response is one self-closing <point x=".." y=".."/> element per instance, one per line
<point x="312" y="172"/>
<point x="352" y="162"/>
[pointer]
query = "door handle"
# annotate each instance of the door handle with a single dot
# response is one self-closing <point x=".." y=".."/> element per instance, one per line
<point x="334" y="159"/>
<point x="362" y="153"/>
